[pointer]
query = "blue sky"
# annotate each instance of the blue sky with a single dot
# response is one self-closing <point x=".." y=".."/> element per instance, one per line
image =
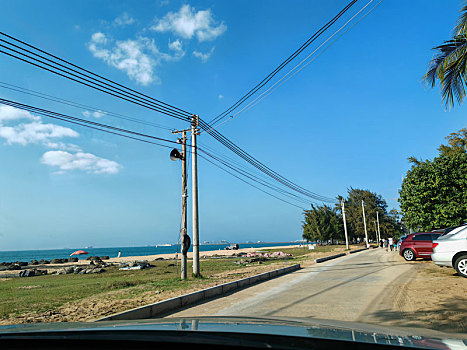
<point x="349" y="119"/>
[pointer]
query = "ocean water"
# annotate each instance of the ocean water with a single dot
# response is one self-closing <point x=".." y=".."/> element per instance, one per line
<point x="49" y="254"/>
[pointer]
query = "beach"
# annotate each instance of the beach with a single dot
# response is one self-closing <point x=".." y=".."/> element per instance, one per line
<point x="169" y="256"/>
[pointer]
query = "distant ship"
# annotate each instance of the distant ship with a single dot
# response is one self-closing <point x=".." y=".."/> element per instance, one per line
<point x="163" y="245"/>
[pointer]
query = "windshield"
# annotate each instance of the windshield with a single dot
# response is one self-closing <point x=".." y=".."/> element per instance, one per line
<point x="259" y="159"/>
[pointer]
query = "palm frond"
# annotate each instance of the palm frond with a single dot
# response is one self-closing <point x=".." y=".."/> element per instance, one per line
<point x="461" y="26"/>
<point x="449" y="67"/>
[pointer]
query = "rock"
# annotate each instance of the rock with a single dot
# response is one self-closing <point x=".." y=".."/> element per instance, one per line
<point x="105" y="257"/>
<point x="3" y="268"/>
<point x="34" y="262"/>
<point x="72" y="259"/>
<point x="169" y="265"/>
<point x="27" y="273"/>
<point x="21" y="263"/>
<point x="14" y="267"/>
<point x="78" y="269"/>
<point x="98" y="270"/>
<point x="58" y="261"/>
<point x="69" y="269"/>
<point x="44" y="262"/>
<point x="5" y="263"/>
<point x="60" y="272"/>
<point x="40" y="272"/>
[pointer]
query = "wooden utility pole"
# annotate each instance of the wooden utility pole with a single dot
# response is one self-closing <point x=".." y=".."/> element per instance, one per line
<point x="364" y="223"/>
<point x="185" y="239"/>
<point x="345" y="225"/>
<point x="194" y="197"/>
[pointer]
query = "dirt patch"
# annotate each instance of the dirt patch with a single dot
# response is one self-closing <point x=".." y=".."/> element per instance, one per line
<point x="429" y="297"/>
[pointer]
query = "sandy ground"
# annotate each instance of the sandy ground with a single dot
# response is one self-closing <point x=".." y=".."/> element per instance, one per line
<point x="428" y="296"/>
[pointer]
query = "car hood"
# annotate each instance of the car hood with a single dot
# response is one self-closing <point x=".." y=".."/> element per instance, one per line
<point x="287" y="327"/>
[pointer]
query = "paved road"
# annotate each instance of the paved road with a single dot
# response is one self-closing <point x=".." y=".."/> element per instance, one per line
<point x="347" y="289"/>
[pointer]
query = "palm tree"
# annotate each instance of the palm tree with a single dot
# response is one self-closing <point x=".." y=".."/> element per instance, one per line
<point x="449" y="65"/>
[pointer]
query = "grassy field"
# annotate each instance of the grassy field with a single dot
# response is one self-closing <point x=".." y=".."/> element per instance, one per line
<point x="20" y="296"/>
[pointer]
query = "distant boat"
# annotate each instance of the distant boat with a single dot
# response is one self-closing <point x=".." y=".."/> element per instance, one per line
<point x="163" y="245"/>
<point x="88" y="247"/>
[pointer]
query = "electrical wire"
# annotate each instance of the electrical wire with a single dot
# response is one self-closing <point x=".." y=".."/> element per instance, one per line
<point x="84" y="122"/>
<point x="248" y="183"/>
<point x="85" y="79"/>
<point x="272" y="88"/>
<point x="260" y="166"/>
<point x="282" y="65"/>
<point x="79" y="105"/>
<point x="96" y="75"/>
<point x="256" y="179"/>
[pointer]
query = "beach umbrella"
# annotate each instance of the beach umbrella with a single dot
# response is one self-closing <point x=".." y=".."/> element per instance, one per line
<point x="79" y="252"/>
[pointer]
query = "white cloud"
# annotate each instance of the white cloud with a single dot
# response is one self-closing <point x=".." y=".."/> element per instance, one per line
<point x="137" y="58"/>
<point x="8" y="113"/>
<point x="95" y="114"/>
<point x="88" y="162"/>
<point x="124" y="20"/>
<point x="204" y="57"/>
<point x="64" y="146"/>
<point x="220" y="97"/>
<point x="35" y="132"/>
<point x="187" y="23"/>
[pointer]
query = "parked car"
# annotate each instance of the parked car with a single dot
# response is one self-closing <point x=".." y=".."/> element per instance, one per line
<point x="418" y="245"/>
<point x="400" y="242"/>
<point x="451" y="250"/>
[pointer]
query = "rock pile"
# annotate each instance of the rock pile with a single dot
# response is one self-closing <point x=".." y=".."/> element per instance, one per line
<point x="135" y="265"/>
<point x="79" y="270"/>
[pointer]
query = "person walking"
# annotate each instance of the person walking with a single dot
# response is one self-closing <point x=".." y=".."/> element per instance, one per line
<point x="391" y="243"/>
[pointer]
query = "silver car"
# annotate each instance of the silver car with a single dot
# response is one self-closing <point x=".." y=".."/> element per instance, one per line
<point x="451" y="250"/>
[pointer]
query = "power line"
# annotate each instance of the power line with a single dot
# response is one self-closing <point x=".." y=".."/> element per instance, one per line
<point x="260" y="166"/>
<point x="84" y="122"/>
<point x="282" y="65"/>
<point x="272" y="88"/>
<point x="143" y="101"/>
<point x="248" y="183"/>
<point x="256" y="179"/>
<point x="96" y="75"/>
<point x="40" y="61"/>
<point x="78" y="105"/>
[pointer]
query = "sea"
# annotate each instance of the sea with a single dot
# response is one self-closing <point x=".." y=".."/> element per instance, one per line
<point x="49" y="254"/>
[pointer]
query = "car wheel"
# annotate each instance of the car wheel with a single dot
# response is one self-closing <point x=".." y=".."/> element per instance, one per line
<point x="408" y="254"/>
<point x="461" y="265"/>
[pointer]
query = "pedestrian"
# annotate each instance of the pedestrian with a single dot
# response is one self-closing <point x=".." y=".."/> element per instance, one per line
<point x="386" y="244"/>
<point x="119" y="253"/>
<point x="381" y="243"/>
<point x="391" y="243"/>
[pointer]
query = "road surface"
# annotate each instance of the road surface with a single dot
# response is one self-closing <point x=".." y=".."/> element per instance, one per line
<point x="347" y="289"/>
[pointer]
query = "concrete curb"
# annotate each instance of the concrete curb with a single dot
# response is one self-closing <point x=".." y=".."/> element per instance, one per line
<point x="326" y="258"/>
<point x="357" y="250"/>
<point x="173" y="304"/>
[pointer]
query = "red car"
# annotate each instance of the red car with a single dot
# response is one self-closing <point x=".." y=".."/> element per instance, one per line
<point x="418" y="245"/>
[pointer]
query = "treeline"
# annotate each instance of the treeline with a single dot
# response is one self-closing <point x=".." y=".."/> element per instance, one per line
<point x="325" y="223"/>
<point x="434" y="192"/>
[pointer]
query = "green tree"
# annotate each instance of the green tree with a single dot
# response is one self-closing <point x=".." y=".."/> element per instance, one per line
<point x="449" y="66"/>
<point x="433" y="193"/>
<point x="390" y="224"/>
<point x="322" y="223"/>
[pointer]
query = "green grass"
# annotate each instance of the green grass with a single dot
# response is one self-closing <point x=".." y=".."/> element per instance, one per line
<point x="45" y="293"/>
